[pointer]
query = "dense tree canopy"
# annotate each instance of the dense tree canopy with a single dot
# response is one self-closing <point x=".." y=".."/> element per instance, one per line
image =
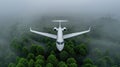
<point x="52" y="59"/>
<point x="34" y="51"/>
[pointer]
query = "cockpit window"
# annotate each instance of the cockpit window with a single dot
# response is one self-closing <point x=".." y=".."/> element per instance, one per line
<point x="60" y="43"/>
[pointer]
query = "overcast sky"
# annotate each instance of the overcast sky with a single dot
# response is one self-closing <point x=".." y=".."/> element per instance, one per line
<point x="33" y="7"/>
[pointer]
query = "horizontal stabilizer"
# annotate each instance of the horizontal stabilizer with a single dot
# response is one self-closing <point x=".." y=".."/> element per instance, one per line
<point x="59" y="20"/>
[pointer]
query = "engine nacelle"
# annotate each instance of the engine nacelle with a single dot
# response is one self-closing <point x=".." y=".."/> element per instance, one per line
<point x="55" y="29"/>
<point x="64" y="29"/>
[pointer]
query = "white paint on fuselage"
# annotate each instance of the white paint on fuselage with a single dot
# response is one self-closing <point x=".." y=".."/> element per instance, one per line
<point x="60" y="40"/>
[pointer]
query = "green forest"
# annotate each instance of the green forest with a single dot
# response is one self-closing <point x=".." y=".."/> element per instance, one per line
<point x="32" y="50"/>
<point x="30" y="54"/>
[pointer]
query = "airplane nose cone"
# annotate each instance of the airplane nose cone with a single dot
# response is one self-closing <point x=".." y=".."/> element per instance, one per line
<point x="60" y="47"/>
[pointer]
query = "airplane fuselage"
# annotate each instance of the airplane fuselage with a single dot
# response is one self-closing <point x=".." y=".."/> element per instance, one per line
<point x="60" y="37"/>
<point x="60" y="40"/>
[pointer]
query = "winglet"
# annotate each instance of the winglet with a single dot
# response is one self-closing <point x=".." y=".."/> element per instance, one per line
<point x="30" y="29"/>
<point x="89" y="28"/>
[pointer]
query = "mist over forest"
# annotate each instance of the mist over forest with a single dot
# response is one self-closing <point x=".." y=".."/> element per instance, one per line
<point x="16" y="17"/>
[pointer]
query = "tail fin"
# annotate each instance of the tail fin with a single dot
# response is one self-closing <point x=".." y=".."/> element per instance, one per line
<point x="60" y="21"/>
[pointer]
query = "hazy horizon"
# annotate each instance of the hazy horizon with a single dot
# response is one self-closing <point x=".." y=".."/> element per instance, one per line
<point x="81" y="13"/>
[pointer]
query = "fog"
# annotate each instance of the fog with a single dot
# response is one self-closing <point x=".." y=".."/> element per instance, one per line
<point x="80" y="13"/>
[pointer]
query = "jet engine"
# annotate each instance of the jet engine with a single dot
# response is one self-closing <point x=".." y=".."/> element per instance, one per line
<point x="55" y="29"/>
<point x="64" y="29"/>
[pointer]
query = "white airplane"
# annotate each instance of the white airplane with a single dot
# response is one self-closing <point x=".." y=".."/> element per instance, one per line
<point x="60" y="37"/>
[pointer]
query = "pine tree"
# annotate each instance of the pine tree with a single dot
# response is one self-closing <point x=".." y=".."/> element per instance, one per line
<point x="31" y="63"/>
<point x="52" y="59"/>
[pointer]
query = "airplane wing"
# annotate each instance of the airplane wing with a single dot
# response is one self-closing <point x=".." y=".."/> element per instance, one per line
<point x="75" y="34"/>
<point x="44" y="34"/>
